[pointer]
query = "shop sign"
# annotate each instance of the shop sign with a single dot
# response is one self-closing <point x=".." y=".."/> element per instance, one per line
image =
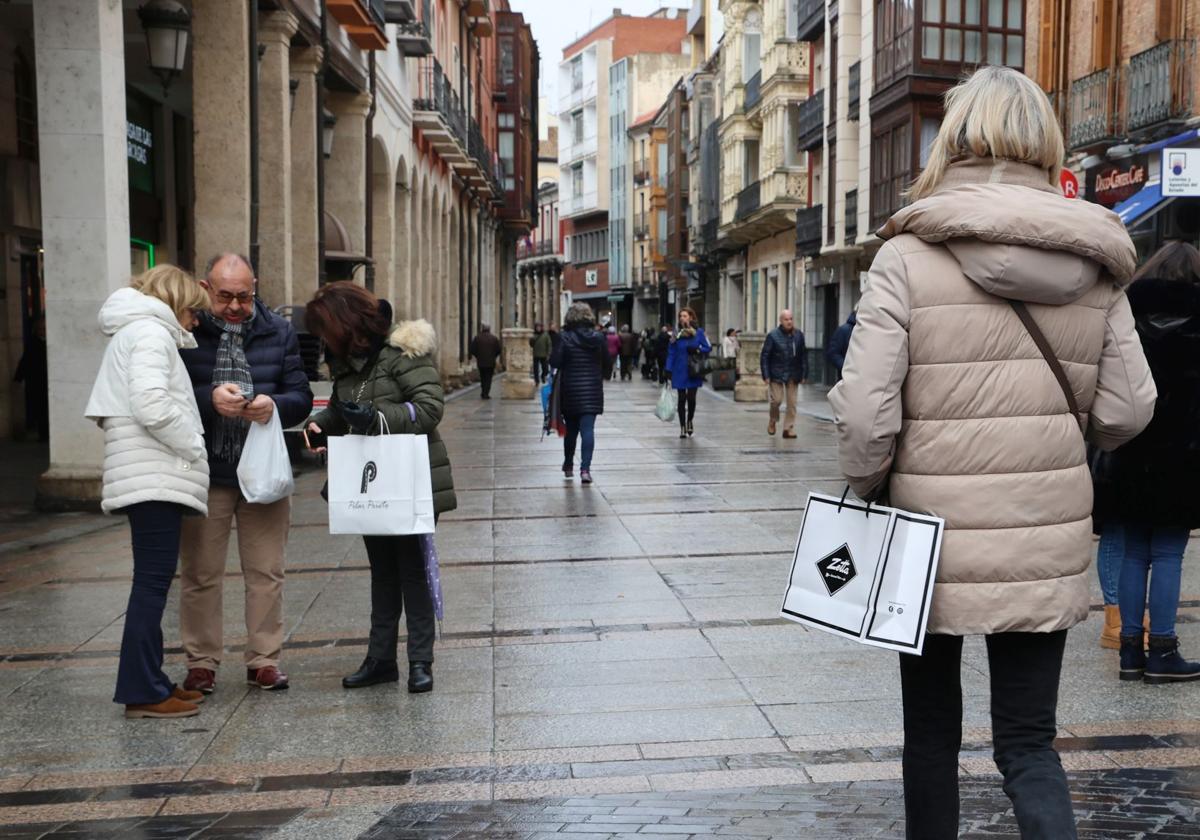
<point x="139" y="143"/>
<point x="1181" y="172"/>
<point x="1069" y="184"/>
<point x="1112" y="183"/>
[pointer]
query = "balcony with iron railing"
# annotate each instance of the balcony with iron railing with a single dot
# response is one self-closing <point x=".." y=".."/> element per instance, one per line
<point x="851" y="216"/>
<point x="808" y="231"/>
<point x="641" y="172"/>
<point x="438" y="112"/>
<point x="812" y="115"/>
<point x="811" y="17"/>
<point x="533" y="250"/>
<point x="1091" y="117"/>
<point x="748" y="201"/>
<point x="854" y="90"/>
<point x="641" y="226"/>
<point x="481" y="171"/>
<point x="753" y="94"/>
<point x="413" y="36"/>
<point x="1159" y="85"/>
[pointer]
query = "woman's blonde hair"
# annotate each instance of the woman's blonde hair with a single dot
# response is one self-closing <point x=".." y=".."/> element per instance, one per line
<point x="174" y="287"/>
<point x="999" y="113"/>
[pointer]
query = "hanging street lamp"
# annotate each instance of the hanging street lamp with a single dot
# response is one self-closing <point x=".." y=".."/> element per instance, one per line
<point x="167" y="25"/>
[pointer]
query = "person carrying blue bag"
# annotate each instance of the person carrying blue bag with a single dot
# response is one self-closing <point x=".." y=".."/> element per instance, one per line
<point x="685" y="363"/>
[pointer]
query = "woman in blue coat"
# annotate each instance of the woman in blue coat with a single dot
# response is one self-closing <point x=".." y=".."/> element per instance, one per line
<point x="689" y="343"/>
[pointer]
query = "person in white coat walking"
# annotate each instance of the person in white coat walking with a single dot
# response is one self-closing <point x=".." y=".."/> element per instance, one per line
<point x="155" y="465"/>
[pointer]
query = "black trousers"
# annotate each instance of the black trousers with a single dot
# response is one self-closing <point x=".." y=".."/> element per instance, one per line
<point x="398" y="586"/>
<point x="1025" y="669"/>
<point x="485" y="381"/>
<point x="627" y="365"/>
<point x="541" y="369"/>
<point x="687" y="405"/>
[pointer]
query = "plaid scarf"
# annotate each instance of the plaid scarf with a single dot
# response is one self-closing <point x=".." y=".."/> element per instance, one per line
<point x="231" y="366"/>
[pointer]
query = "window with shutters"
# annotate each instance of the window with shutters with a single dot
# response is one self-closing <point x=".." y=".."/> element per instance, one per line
<point x="1048" y="52"/>
<point x="1164" y="20"/>
<point x="1104" y="34"/>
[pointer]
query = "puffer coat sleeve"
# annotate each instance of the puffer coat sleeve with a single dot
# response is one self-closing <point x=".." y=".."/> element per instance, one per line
<point x="417" y="384"/>
<point x="1125" y="392"/>
<point x="867" y="402"/>
<point x="151" y="403"/>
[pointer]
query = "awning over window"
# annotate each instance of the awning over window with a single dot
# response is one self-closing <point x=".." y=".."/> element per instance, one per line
<point x="1142" y="204"/>
<point x="1187" y="138"/>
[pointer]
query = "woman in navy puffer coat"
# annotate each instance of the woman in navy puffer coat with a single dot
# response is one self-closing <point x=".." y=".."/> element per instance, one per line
<point x="579" y="360"/>
<point x="689" y="342"/>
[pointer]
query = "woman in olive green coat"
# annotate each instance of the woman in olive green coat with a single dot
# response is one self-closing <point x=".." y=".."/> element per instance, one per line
<point x="378" y="370"/>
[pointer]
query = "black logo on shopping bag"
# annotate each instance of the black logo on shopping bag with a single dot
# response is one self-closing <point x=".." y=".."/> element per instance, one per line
<point x="369" y="473"/>
<point x="837" y="569"/>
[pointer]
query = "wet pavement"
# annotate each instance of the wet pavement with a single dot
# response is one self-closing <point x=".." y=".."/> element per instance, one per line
<point x="612" y="664"/>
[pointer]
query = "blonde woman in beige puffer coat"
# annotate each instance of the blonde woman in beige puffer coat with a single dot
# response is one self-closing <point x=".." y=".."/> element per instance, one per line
<point x="948" y="406"/>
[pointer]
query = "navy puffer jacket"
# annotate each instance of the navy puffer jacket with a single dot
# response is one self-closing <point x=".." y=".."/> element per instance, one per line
<point x="273" y="353"/>
<point x="579" y="359"/>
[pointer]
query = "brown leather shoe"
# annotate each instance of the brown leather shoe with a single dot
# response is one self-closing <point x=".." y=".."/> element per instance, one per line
<point x="172" y="707"/>
<point x="187" y="696"/>
<point x="200" y="679"/>
<point x="770" y="427"/>
<point x="789" y="435"/>
<point x="269" y="678"/>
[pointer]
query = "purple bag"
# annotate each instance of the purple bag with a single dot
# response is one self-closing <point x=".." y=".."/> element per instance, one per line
<point x="432" y="578"/>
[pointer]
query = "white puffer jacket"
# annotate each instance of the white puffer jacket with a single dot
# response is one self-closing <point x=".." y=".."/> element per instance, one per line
<point x="143" y="399"/>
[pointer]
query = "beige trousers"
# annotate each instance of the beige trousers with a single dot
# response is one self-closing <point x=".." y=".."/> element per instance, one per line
<point x="262" y="532"/>
<point x="780" y="391"/>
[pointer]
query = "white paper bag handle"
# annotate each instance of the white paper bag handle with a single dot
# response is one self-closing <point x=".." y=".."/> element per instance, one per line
<point x="384" y="429"/>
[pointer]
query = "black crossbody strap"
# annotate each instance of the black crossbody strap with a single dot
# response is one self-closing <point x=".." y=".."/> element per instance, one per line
<point x="1039" y="338"/>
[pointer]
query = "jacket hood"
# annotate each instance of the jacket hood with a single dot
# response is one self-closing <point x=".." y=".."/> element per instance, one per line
<point x="127" y="305"/>
<point x="414" y="338"/>
<point x="1016" y="236"/>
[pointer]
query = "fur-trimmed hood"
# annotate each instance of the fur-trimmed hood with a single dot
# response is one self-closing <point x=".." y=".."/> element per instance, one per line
<point x="414" y="338"/>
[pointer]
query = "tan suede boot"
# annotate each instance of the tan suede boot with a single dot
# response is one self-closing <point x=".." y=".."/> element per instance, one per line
<point x="172" y="707"/>
<point x="1110" y="636"/>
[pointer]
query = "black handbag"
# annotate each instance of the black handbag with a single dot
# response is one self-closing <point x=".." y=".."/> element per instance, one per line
<point x="697" y="369"/>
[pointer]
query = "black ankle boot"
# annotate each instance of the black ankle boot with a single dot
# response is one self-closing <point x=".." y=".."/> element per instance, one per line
<point x="689" y="428"/>
<point x="683" y="430"/>
<point x="372" y="672"/>
<point x="420" y="677"/>
<point x="1165" y="665"/>
<point x="1133" y="657"/>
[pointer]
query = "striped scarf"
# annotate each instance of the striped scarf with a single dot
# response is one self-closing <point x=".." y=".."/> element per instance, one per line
<point x="231" y="366"/>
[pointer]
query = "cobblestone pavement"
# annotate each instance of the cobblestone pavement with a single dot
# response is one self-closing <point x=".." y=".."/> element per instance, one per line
<point x="612" y="664"/>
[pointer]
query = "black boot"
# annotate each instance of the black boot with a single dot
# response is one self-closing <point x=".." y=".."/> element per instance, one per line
<point x="1133" y="657"/>
<point x="372" y="672"/>
<point x="1165" y="665"/>
<point x="689" y="428"/>
<point x="682" y="429"/>
<point x="420" y="677"/>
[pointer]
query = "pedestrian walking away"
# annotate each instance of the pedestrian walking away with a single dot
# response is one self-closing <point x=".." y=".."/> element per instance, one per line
<point x="613" y="343"/>
<point x="541" y="345"/>
<point x="245" y="367"/>
<point x="579" y="361"/>
<point x="951" y="403"/>
<point x="839" y="343"/>
<point x="784" y="363"/>
<point x="628" y="347"/>
<point x="485" y="348"/>
<point x="380" y="370"/>
<point x="685" y="362"/>
<point x="1145" y="504"/>
<point x="661" y="348"/>
<point x="155" y="466"/>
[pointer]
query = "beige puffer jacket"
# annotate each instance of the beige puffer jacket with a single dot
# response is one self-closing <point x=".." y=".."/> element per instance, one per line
<point x="945" y="391"/>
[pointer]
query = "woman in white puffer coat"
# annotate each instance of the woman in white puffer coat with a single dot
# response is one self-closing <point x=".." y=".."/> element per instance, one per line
<point x="155" y="465"/>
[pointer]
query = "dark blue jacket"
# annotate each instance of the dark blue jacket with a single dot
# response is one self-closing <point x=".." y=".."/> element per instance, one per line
<point x="580" y="359"/>
<point x="677" y="360"/>
<point x="839" y="343"/>
<point x="783" y="356"/>
<point x="273" y="353"/>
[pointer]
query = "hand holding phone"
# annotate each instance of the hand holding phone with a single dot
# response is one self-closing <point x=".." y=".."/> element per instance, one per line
<point x="315" y="439"/>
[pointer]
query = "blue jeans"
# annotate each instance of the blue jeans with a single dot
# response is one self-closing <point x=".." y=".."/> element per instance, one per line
<point x="155" y="527"/>
<point x="580" y="424"/>
<point x="1145" y="547"/>
<point x="1108" y="562"/>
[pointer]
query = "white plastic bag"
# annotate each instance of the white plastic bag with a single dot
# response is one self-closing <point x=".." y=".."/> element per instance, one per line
<point x="665" y="409"/>
<point x="264" y="471"/>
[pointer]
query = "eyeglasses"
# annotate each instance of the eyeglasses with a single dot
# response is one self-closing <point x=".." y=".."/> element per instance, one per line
<point x="229" y="297"/>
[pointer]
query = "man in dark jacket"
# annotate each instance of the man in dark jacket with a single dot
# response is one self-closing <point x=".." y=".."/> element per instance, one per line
<point x="246" y="367"/>
<point x="485" y="347"/>
<point x="839" y="344"/>
<point x="662" y="347"/>
<point x="784" y="366"/>
<point x="629" y="352"/>
<point x="542" y="345"/>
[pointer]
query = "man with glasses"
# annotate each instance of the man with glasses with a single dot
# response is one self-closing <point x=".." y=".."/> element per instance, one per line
<point x="247" y="367"/>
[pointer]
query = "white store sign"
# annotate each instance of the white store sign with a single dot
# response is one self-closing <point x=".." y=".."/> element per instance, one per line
<point x="1181" y="172"/>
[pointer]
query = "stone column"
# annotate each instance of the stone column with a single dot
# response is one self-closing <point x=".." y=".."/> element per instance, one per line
<point x="80" y="54"/>
<point x="275" y="32"/>
<point x="221" y="122"/>
<point x="517" y="383"/>
<point x="750" y="387"/>
<point x="306" y="242"/>
<point x="346" y="169"/>
<point x="383" y="230"/>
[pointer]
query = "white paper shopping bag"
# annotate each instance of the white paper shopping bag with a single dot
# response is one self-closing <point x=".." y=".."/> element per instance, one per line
<point x="865" y="572"/>
<point x="380" y="485"/>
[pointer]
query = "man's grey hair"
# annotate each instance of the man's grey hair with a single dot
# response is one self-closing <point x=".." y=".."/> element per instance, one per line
<point x="485" y="327"/>
<point x="218" y="258"/>
<point x="579" y="313"/>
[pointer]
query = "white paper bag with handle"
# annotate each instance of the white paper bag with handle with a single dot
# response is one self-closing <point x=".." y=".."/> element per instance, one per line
<point x="864" y="572"/>
<point x="264" y="470"/>
<point x="380" y="484"/>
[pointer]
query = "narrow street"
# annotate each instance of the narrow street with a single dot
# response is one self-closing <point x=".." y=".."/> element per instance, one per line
<point x="612" y="665"/>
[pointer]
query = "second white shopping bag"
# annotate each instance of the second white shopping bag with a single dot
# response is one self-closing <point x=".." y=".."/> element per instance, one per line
<point x="864" y="572"/>
<point x="380" y="485"/>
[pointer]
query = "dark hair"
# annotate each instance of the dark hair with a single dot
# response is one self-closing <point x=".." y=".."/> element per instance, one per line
<point x="1176" y="260"/>
<point x="347" y="318"/>
<point x="692" y="315"/>
<point x="730" y="331"/>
